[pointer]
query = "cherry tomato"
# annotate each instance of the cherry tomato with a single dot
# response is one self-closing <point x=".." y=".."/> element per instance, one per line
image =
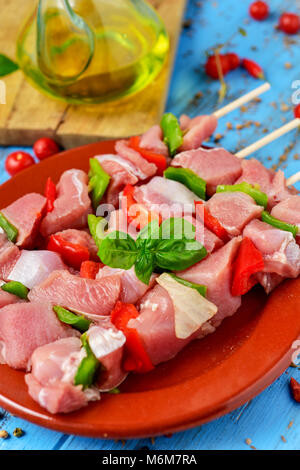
<point x="259" y="10"/>
<point x="234" y="60"/>
<point x="45" y="147"/>
<point x="211" y="68"/>
<point x="18" y="161"/>
<point x="297" y="111"/>
<point x="289" y="23"/>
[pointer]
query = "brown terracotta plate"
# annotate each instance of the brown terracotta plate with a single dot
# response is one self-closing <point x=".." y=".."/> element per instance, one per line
<point x="207" y="379"/>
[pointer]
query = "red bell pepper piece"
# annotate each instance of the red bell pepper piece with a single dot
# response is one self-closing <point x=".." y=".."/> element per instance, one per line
<point x="128" y="199"/>
<point x="152" y="157"/>
<point x="71" y="253"/>
<point x="137" y="214"/>
<point x="50" y="193"/>
<point x="211" y="222"/>
<point x="134" y="141"/>
<point x="90" y="269"/>
<point x="127" y="202"/>
<point x="248" y="262"/>
<point x="136" y="358"/>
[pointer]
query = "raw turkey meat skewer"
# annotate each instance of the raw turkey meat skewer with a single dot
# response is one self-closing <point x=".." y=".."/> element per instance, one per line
<point x="163" y="315"/>
<point x="141" y="157"/>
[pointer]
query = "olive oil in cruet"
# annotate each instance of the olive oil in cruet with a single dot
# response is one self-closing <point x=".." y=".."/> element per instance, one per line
<point x="92" y="51"/>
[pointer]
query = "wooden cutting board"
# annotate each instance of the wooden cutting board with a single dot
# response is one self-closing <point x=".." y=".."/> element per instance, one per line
<point x="28" y="114"/>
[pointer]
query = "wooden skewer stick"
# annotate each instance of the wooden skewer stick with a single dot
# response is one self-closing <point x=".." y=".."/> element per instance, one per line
<point x="242" y="100"/>
<point x="293" y="179"/>
<point x="269" y="138"/>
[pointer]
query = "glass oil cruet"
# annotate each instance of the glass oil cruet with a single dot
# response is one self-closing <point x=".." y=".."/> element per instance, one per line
<point x="92" y="51"/>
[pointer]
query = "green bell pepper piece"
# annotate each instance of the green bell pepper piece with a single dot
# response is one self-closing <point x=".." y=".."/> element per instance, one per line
<point x="97" y="227"/>
<point x="173" y="136"/>
<point x="89" y="366"/>
<point x="99" y="180"/>
<point x="198" y="287"/>
<point x="259" y="197"/>
<point x="187" y="177"/>
<point x="16" y="288"/>
<point x="10" y="230"/>
<point x="80" y="323"/>
<point x="269" y="219"/>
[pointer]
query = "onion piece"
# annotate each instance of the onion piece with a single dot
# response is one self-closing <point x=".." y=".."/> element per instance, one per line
<point x="191" y="309"/>
<point x="33" y="267"/>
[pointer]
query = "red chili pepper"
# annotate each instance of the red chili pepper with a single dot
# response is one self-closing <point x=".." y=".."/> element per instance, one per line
<point x="136" y="358"/>
<point x="211" y="222"/>
<point x="295" y="388"/>
<point x="50" y="193"/>
<point x="253" y="68"/>
<point x="152" y="157"/>
<point x="137" y="214"/>
<point x="249" y="261"/>
<point x="71" y="253"/>
<point x="90" y="269"/>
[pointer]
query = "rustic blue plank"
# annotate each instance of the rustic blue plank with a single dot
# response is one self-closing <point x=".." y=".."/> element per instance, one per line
<point x="266" y="418"/>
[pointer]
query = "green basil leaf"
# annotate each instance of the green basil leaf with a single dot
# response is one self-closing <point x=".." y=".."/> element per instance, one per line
<point x="177" y="228"/>
<point x="198" y="287"/>
<point x="118" y="250"/>
<point x="173" y="248"/>
<point x="177" y="255"/>
<point x="7" y="65"/>
<point x="148" y="236"/>
<point x="88" y="368"/>
<point x="144" y="266"/>
<point x="187" y="177"/>
<point x="16" y="288"/>
<point x="65" y="316"/>
<point x="172" y="132"/>
<point x="150" y="231"/>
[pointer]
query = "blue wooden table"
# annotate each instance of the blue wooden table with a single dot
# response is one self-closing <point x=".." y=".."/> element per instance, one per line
<point x="271" y="420"/>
